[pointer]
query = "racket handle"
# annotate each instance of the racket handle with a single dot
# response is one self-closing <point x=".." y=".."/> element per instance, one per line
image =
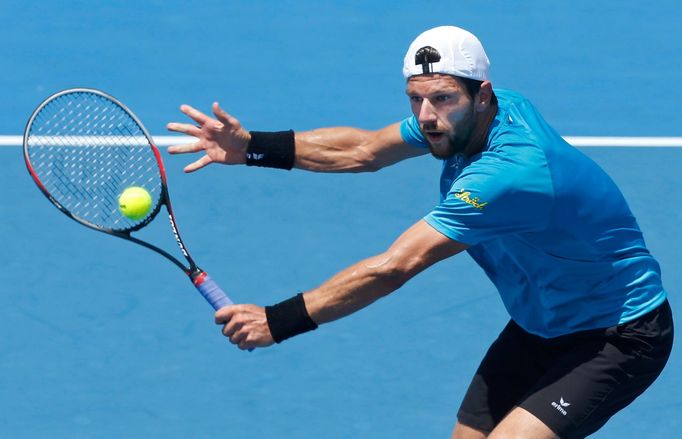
<point x="211" y="291"/>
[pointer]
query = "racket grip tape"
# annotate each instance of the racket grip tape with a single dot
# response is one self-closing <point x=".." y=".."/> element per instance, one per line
<point x="211" y="291"/>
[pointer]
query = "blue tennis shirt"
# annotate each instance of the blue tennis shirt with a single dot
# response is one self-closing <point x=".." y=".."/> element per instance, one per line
<point x="547" y="225"/>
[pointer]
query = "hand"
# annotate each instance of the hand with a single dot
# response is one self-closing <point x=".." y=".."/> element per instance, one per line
<point x="223" y="140"/>
<point x="245" y="325"/>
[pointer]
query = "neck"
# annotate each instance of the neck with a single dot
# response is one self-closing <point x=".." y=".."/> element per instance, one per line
<point x="480" y="133"/>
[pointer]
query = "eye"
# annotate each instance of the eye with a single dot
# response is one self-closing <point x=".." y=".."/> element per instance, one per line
<point x="441" y="98"/>
<point x="416" y="99"/>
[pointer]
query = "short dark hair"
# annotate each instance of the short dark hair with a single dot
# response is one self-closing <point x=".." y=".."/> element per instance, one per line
<point x="473" y="86"/>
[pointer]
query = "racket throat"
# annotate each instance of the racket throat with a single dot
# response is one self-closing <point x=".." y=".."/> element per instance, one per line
<point x="197" y="276"/>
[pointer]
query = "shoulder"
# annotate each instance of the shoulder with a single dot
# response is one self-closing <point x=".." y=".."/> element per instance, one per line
<point x="509" y="96"/>
<point x="497" y="194"/>
<point x="510" y="170"/>
<point x="519" y="123"/>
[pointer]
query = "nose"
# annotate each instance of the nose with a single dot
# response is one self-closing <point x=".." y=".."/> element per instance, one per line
<point x="427" y="113"/>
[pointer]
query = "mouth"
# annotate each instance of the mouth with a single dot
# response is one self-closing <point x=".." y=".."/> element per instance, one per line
<point x="434" y="136"/>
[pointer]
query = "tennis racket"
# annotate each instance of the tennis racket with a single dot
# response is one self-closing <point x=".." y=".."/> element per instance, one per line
<point x="83" y="147"/>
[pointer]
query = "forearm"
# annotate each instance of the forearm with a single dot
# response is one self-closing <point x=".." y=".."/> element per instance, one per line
<point x="367" y="281"/>
<point x="356" y="287"/>
<point x="345" y="149"/>
<point x="340" y="149"/>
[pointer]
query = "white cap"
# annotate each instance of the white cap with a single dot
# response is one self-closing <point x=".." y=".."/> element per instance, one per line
<point x="449" y="50"/>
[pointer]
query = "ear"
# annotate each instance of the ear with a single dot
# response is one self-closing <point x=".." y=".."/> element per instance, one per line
<point x="484" y="96"/>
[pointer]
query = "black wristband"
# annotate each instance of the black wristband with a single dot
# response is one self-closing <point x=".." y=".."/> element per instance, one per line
<point x="289" y="318"/>
<point x="271" y="149"/>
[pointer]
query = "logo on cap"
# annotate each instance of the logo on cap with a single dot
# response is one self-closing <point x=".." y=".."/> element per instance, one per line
<point x="426" y="56"/>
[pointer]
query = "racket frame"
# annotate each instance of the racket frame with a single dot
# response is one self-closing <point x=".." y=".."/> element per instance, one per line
<point x="196" y="275"/>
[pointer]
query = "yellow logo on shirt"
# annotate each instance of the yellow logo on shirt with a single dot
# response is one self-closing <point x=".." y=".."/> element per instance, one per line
<point x="466" y="197"/>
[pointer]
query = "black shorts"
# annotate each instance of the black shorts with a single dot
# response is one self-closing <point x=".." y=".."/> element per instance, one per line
<point x="573" y="383"/>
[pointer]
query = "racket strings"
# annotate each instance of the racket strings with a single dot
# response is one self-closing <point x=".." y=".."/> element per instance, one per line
<point x="86" y="149"/>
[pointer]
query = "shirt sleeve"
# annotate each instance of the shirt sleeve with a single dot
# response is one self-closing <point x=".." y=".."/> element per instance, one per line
<point x="409" y="130"/>
<point x="493" y="197"/>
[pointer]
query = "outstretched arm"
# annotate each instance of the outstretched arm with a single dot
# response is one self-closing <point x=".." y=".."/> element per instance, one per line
<point x="222" y="139"/>
<point x="351" y="289"/>
<point x="344" y="149"/>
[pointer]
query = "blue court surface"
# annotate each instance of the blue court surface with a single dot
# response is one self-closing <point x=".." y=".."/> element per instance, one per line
<point x="105" y="339"/>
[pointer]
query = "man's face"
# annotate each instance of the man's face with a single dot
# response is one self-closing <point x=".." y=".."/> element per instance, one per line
<point x="445" y="112"/>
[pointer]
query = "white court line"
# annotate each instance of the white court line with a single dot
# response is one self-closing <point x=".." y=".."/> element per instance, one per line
<point x="655" y="142"/>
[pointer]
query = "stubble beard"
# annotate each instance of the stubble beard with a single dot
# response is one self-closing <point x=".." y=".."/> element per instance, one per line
<point x="458" y="138"/>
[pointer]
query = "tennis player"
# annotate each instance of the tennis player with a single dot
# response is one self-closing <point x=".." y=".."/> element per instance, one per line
<point x="590" y="325"/>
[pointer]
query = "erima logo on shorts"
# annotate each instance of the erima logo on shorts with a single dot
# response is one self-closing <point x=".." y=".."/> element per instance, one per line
<point x="466" y="197"/>
<point x="561" y="406"/>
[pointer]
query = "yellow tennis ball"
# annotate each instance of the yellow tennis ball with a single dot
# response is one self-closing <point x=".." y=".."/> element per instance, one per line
<point x="135" y="202"/>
